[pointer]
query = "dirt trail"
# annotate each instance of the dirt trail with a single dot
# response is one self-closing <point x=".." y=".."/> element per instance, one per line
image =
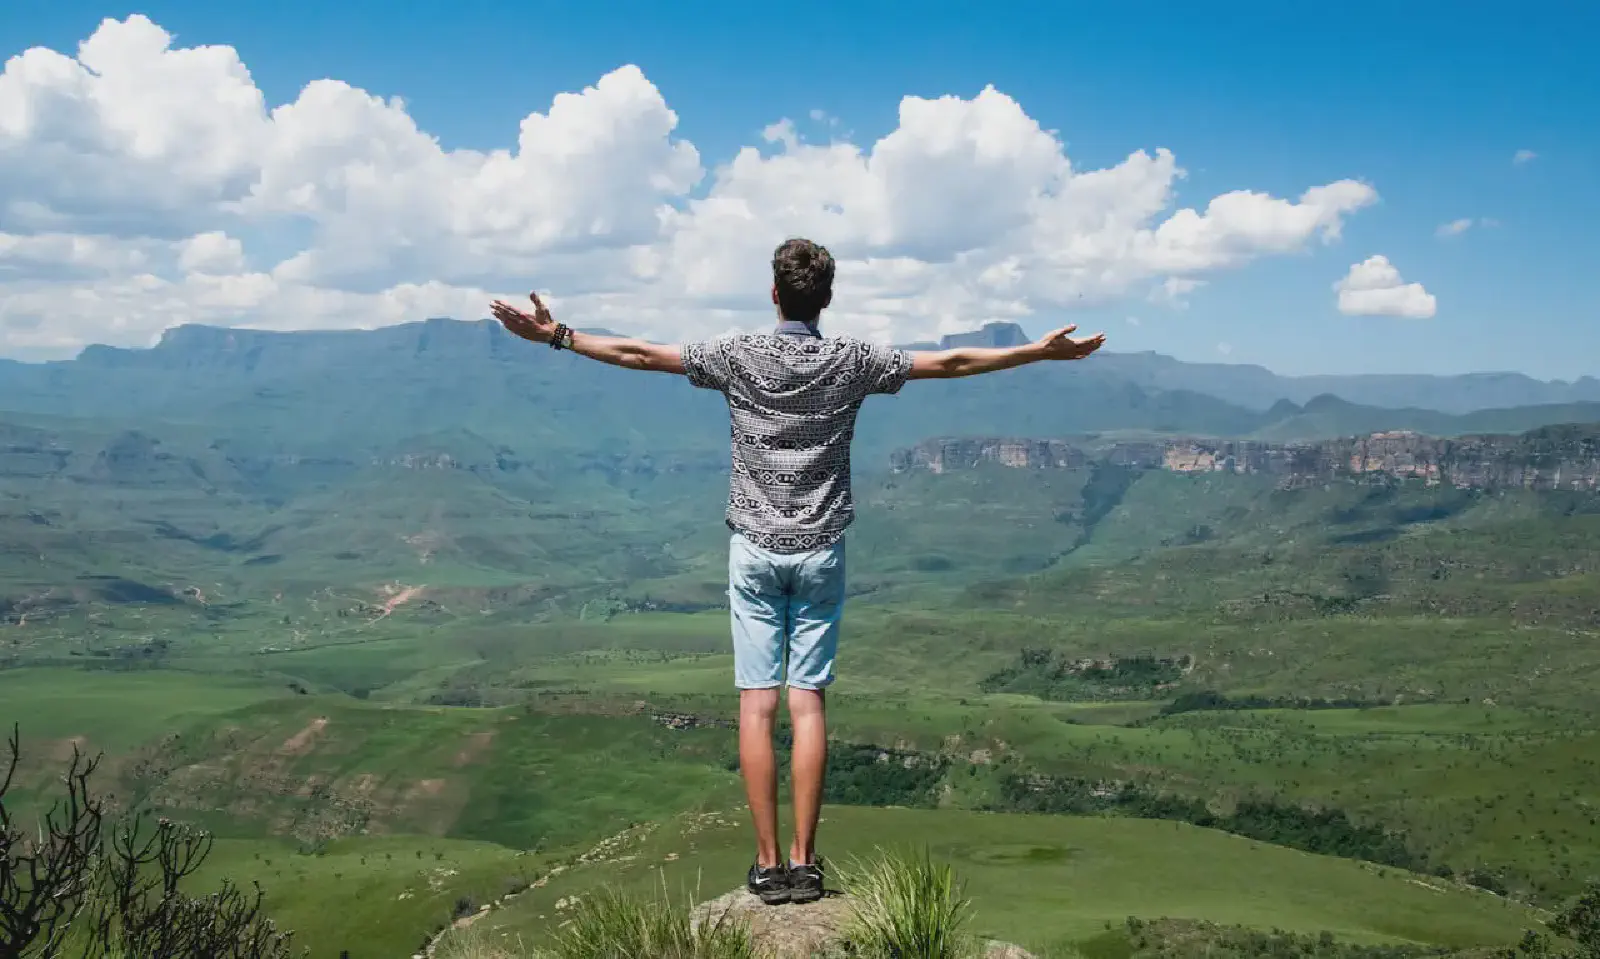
<point x="300" y="743"/>
<point x="398" y="596"/>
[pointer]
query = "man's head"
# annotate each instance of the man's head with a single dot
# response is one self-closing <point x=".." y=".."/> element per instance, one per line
<point x="802" y="280"/>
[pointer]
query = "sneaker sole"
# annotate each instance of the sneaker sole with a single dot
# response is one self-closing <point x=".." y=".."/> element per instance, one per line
<point x="805" y="895"/>
<point x="772" y="897"/>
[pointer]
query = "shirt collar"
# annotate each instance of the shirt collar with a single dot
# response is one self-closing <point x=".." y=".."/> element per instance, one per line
<point x="796" y="328"/>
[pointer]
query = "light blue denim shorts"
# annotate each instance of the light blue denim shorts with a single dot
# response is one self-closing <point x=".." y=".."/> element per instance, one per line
<point x="786" y="609"/>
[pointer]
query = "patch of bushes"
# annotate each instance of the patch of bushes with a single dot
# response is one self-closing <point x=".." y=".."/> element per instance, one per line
<point x="1050" y="675"/>
<point x="1207" y="700"/>
<point x="866" y="775"/>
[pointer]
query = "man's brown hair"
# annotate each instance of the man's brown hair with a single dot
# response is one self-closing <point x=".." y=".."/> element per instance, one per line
<point x="802" y="274"/>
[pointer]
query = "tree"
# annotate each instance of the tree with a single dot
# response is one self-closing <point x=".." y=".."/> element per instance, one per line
<point x="45" y="876"/>
<point x="1579" y="924"/>
<point x="110" y="889"/>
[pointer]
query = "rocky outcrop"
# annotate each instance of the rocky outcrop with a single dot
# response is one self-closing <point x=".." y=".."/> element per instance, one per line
<point x="804" y="931"/>
<point x="1552" y="458"/>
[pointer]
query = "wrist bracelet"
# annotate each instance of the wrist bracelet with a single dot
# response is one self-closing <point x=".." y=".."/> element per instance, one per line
<point x="562" y="338"/>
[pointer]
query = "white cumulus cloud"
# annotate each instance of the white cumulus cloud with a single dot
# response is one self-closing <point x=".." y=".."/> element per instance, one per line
<point x="144" y="184"/>
<point x="1373" y="287"/>
<point x="212" y="252"/>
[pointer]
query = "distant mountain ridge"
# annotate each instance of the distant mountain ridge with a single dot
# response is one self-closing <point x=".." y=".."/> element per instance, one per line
<point x="355" y="393"/>
<point x="1257" y="387"/>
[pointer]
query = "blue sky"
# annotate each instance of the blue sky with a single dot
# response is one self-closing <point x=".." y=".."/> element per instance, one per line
<point x="1426" y="102"/>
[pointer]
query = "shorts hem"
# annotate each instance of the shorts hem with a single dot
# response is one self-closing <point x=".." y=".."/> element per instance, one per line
<point x="812" y="687"/>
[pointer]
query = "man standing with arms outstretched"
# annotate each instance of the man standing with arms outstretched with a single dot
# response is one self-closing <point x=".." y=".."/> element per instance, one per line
<point x="793" y="395"/>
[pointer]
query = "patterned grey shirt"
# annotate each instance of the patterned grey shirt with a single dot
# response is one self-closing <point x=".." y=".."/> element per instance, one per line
<point x="793" y="400"/>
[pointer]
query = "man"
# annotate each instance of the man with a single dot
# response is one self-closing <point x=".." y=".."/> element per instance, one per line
<point x="793" y="396"/>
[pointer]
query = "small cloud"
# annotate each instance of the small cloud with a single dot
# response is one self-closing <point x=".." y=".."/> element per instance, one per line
<point x="1226" y="349"/>
<point x="782" y="132"/>
<point x="1175" y="290"/>
<point x="1458" y="227"/>
<point x="1373" y="287"/>
<point x="1134" y="321"/>
<point x="1523" y="156"/>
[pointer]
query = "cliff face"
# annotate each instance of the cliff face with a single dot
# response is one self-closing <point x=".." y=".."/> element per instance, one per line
<point x="1566" y="457"/>
<point x="940" y="456"/>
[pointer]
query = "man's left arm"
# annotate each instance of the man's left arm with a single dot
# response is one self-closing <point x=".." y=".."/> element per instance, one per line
<point x="626" y="352"/>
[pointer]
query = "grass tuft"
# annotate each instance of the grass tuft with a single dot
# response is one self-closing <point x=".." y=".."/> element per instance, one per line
<point x="614" y="925"/>
<point x="475" y="942"/>
<point x="906" y="905"/>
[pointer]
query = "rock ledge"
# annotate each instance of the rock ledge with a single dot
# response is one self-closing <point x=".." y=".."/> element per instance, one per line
<point x="803" y="931"/>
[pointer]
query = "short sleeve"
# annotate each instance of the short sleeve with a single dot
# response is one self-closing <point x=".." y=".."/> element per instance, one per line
<point x="886" y="368"/>
<point x="708" y="363"/>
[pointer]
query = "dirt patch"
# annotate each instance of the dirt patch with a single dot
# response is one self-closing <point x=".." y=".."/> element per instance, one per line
<point x="426" y="789"/>
<point x="477" y="744"/>
<point x="60" y="750"/>
<point x="301" y="742"/>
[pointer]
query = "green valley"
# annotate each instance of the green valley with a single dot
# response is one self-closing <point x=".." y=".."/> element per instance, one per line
<point x="415" y="623"/>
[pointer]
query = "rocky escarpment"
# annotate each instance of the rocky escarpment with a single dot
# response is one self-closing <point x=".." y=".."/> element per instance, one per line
<point x="1558" y="457"/>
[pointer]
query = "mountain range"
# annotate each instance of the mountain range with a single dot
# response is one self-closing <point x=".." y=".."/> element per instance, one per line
<point x="1256" y="387"/>
<point x="337" y="392"/>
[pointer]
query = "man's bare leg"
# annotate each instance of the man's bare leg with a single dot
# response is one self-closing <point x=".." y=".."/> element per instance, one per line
<point x="758" y="711"/>
<point x="808" y="717"/>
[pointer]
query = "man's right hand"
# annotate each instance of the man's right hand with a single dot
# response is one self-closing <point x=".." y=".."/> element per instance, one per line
<point x="1059" y="344"/>
<point x="537" y="327"/>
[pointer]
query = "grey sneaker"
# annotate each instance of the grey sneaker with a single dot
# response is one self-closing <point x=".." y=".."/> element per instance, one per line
<point x="770" y="885"/>
<point x="806" y="881"/>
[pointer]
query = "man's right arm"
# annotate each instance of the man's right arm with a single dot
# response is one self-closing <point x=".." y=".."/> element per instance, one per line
<point x="972" y="360"/>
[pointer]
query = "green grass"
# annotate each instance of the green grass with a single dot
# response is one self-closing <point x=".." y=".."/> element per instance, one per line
<point x="116" y="711"/>
<point x="375" y="896"/>
<point x="612" y="925"/>
<point x="1043" y="881"/>
<point x="321" y="767"/>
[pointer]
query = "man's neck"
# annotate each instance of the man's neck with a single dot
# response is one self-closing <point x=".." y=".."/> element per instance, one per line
<point x="797" y="328"/>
